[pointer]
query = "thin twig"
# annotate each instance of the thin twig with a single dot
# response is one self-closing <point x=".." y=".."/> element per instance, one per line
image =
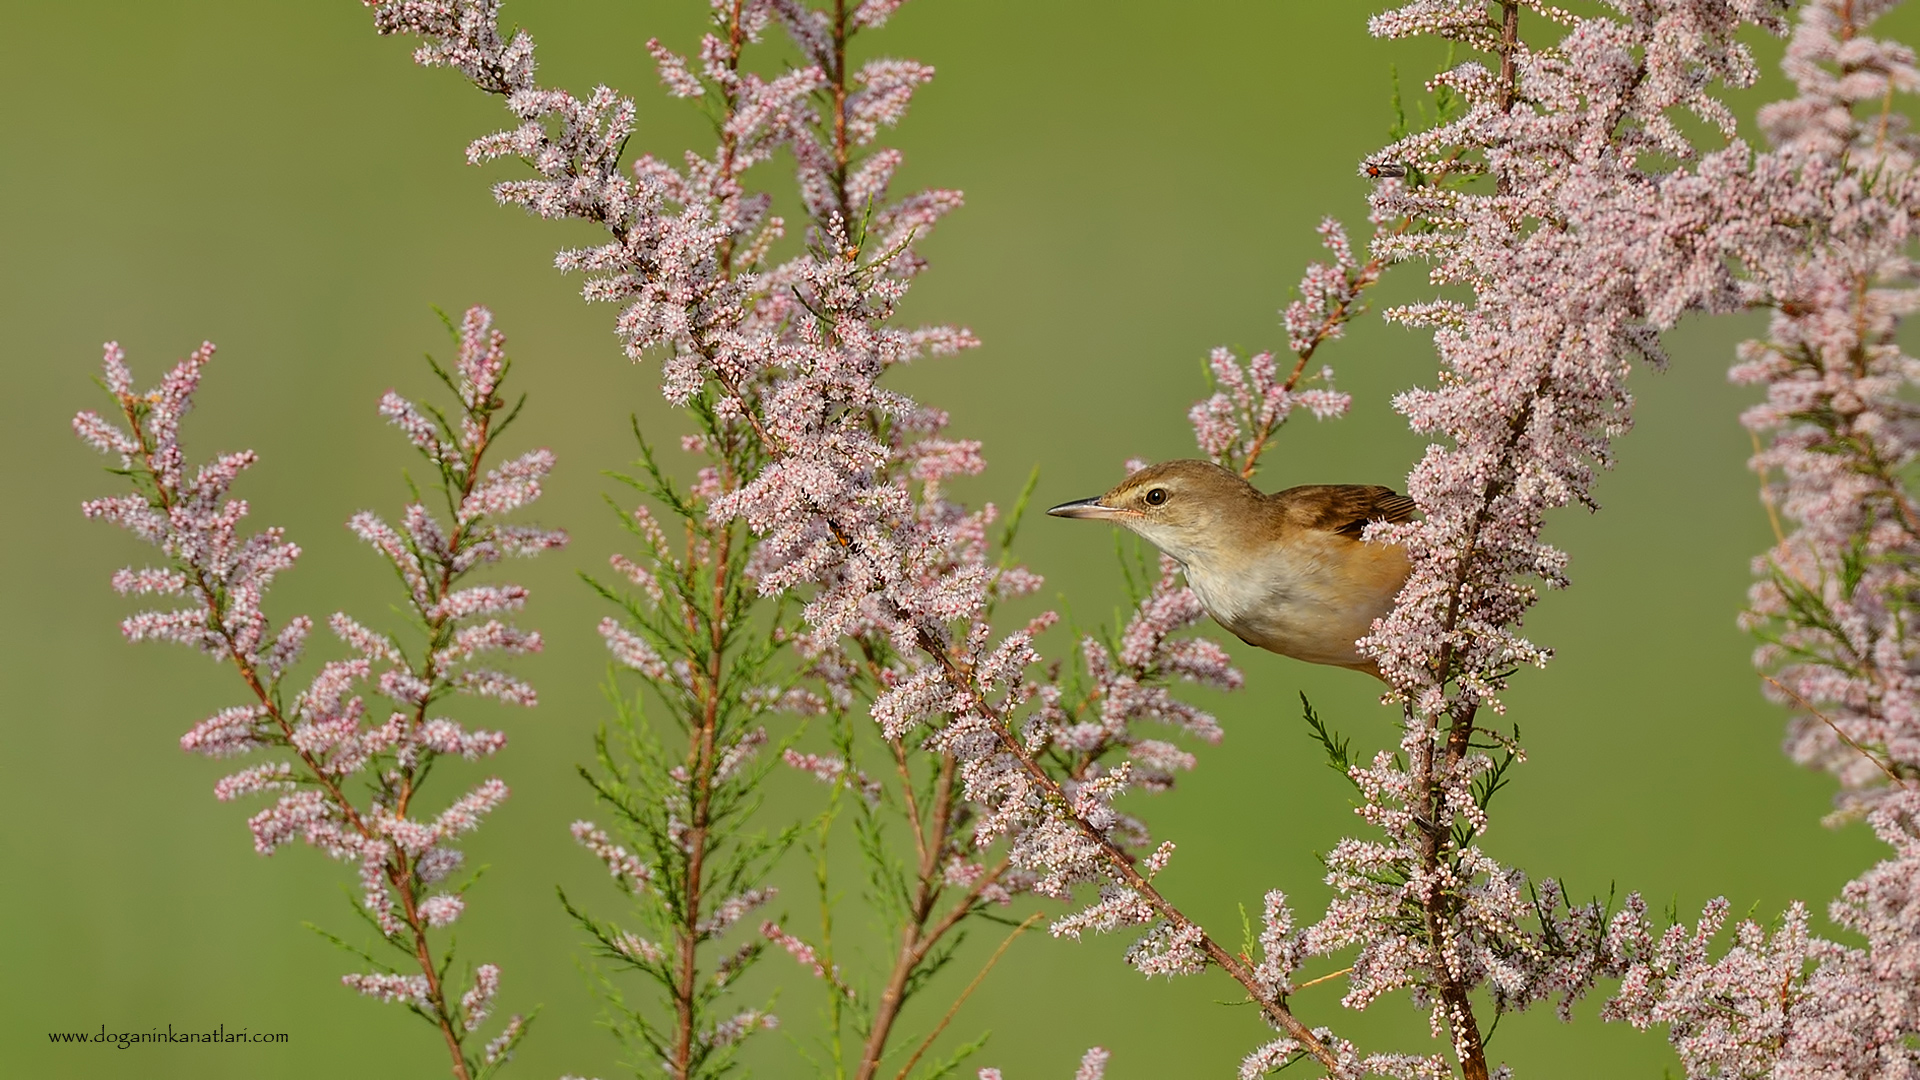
<point x="964" y="994"/>
<point x="1766" y="494"/>
<point x="1323" y="978"/>
<point x="1864" y="752"/>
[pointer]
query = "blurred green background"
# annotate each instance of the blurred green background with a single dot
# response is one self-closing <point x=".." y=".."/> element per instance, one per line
<point x="1142" y="183"/>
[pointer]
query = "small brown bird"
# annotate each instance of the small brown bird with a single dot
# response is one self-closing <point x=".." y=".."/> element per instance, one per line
<point x="1287" y="572"/>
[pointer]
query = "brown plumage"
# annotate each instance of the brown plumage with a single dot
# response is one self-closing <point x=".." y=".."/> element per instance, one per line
<point x="1287" y="572"/>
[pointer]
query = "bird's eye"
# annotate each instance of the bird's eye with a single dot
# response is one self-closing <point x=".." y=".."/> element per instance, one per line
<point x="1156" y="496"/>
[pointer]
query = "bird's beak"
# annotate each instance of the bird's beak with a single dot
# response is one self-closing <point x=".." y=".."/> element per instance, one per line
<point x="1085" y="508"/>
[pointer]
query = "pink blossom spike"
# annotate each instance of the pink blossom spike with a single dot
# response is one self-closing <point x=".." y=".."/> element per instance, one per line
<point x="477" y="1002"/>
<point x="224" y="574"/>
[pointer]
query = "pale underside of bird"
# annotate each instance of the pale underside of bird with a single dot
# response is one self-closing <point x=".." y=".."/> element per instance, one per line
<point x="1287" y="571"/>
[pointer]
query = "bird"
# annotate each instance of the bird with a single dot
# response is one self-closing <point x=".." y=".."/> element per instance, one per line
<point x="1287" y="572"/>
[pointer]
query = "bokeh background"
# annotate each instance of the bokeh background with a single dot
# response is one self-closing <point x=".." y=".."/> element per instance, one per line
<point x="1142" y="183"/>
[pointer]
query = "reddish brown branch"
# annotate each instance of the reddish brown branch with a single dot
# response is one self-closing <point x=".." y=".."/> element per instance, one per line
<point x="396" y="868"/>
<point x="927" y="1043"/>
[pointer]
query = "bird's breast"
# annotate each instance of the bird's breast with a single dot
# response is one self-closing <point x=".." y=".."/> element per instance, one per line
<point x="1311" y="597"/>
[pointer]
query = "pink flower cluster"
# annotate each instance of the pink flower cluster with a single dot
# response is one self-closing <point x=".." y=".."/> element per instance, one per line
<point x="1250" y="401"/>
<point x="1831" y="605"/>
<point x="1093" y="1066"/>
<point x="840" y="478"/>
<point x="791" y="351"/>
<point x="806" y="956"/>
<point x="847" y="490"/>
<point x="1536" y="391"/>
<point x="1787" y="1003"/>
<point x="1549" y="197"/>
<point x="1051" y="792"/>
<point x="835" y="770"/>
<point x="1127" y="682"/>
<point x="1534" y="194"/>
<point x="1536" y="364"/>
<point x="328" y="727"/>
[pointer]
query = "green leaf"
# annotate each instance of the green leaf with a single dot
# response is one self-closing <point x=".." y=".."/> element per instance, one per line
<point x="1335" y="744"/>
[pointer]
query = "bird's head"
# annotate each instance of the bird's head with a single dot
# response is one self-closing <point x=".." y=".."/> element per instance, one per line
<point x="1188" y="509"/>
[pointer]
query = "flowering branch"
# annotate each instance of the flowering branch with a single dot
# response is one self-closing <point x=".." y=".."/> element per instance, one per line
<point x="1572" y="269"/>
<point x="793" y="353"/>
<point x="1821" y="225"/>
<point x="325" y="727"/>
<point x="689" y="630"/>
<point x="688" y="624"/>
<point x="1831" y="607"/>
<point x="1236" y="425"/>
<point x="834" y="501"/>
<point x="775" y="363"/>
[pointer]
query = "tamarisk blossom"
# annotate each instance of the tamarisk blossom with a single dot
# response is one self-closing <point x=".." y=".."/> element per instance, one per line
<point x="833" y="770"/>
<point x="777" y="365"/>
<point x="1536" y="196"/>
<point x="1574" y="267"/>
<point x="1831" y="603"/>
<point x="1093" y="1066"/>
<point x="1787" y="1003"/>
<point x="1575" y="257"/>
<point x="806" y="956"/>
<point x="329" y="728"/>
<point x="1250" y="401"/>
<point x="1125" y="682"/>
<point x="843" y="480"/>
<point x="789" y="347"/>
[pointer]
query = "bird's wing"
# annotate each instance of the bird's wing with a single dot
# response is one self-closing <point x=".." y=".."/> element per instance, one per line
<point x="1343" y="508"/>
